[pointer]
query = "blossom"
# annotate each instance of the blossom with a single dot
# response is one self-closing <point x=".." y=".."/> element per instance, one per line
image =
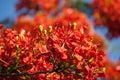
<point x="63" y="53"/>
<point x="106" y="13"/>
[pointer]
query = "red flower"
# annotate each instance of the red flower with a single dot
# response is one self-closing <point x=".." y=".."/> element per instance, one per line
<point x="64" y="51"/>
<point x="106" y="16"/>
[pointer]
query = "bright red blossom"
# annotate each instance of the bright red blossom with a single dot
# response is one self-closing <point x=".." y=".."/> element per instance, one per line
<point x="112" y="70"/>
<point x="63" y="47"/>
<point x="106" y="12"/>
<point x="38" y="5"/>
<point x="63" y="51"/>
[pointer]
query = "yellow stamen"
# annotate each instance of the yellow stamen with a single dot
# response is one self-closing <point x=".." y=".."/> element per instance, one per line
<point x="40" y="28"/>
<point x="50" y="28"/>
<point x="17" y="38"/>
<point x="74" y="25"/>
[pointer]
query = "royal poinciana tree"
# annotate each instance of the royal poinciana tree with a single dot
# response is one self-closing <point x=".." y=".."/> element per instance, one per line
<point x="52" y="41"/>
<point x="106" y="13"/>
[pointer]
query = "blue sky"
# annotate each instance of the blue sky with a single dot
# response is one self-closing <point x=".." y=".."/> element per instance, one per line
<point x="113" y="46"/>
<point x="7" y="9"/>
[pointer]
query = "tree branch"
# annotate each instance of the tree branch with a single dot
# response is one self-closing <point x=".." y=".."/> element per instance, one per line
<point x="25" y="73"/>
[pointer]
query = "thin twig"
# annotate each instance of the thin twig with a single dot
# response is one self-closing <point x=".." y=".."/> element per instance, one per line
<point x="25" y="73"/>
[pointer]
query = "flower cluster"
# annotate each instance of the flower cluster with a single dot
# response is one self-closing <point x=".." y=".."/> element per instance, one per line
<point x="69" y="15"/>
<point x="106" y="12"/>
<point x="37" y="5"/>
<point x="63" y="47"/>
<point x="28" y="23"/>
<point x="64" y="17"/>
<point x="113" y="70"/>
<point x="62" y="13"/>
<point x="58" y="52"/>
